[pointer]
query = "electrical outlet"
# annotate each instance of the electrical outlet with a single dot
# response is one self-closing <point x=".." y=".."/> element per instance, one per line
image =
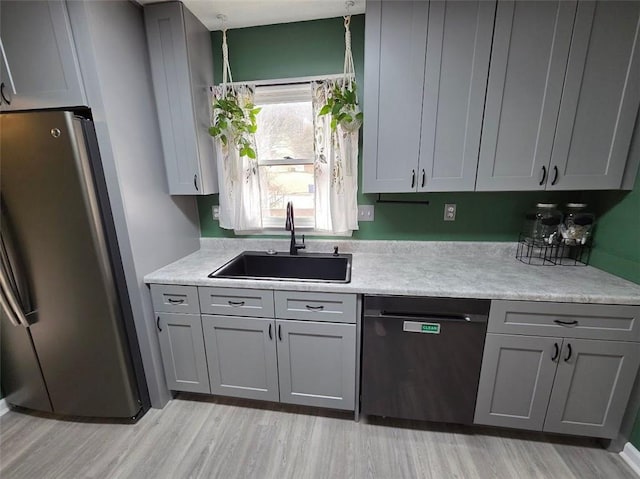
<point x="365" y="213"/>
<point x="216" y="212"/>
<point x="449" y="212"/>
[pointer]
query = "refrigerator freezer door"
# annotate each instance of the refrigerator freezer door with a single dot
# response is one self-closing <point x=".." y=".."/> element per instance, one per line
<point x="47" y="189"/>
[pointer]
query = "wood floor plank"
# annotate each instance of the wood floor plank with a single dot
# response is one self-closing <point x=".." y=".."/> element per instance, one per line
<point x="209" y="437"/>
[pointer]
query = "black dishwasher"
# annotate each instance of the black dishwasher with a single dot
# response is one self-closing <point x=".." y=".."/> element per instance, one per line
<point x="421" y="357"/>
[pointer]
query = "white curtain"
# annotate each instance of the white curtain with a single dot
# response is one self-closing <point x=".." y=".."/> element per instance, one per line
<point x="238" y="178"/>
<point x="336" y="168"/>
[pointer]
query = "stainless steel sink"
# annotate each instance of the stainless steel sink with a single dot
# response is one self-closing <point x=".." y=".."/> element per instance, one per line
<point x="317" y="267"/>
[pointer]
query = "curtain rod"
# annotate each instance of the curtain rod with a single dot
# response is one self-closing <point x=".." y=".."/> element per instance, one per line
<point x="288" y="81"/>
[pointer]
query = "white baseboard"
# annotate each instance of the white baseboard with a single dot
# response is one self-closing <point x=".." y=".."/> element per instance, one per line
<point x="4" y="407"/>
<point x="631" y="456"/>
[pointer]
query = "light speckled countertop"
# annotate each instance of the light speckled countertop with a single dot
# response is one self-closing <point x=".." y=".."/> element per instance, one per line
<point x="445" y="269"/>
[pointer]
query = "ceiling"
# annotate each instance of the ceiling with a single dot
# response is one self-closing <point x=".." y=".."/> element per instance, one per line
<point x="249" y="13"/>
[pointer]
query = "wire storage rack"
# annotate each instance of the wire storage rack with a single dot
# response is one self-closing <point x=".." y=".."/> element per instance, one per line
<point x="538" y="253"/>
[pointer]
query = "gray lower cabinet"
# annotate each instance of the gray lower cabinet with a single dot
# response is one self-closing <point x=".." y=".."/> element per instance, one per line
<point x="516" y="380"/>
<point x="183" y="352"/>
<point x="569" y="386"/>
<point x="241" y="355"/>
<point x="591" y="387"/>
<point x="317" y="363"/>
<point x="40" y="66"/>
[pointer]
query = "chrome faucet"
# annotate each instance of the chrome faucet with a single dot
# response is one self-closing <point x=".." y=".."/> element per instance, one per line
<point x="290" y="226"/>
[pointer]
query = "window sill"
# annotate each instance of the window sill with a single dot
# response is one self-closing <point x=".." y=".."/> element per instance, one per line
<point x="310" y="232"/>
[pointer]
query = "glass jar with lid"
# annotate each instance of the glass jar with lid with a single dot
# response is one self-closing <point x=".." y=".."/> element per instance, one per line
<point x="541" y="224"/>
<point x="577" y="225"/>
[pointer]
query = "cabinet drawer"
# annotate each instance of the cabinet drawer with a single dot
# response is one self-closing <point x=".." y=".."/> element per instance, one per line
<point x="175" y="299"/>
<point x="333" y="307"/>
<point x="237" y="302"/>
<point x="569" y="320"/>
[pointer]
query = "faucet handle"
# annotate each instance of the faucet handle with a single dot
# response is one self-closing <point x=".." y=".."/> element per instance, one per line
<point x="335" y="251"/>
<point x="302" y="239"/>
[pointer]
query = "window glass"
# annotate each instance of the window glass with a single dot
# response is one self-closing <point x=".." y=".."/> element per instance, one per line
<point x="285" y="130"/>
<point x="285" y="153"/>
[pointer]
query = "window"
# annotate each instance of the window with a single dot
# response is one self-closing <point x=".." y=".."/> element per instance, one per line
<point x="285" y="153"/>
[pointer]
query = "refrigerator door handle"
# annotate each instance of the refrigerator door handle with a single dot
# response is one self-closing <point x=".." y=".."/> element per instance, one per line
<point x="4" y="304"/>
<point x="11" y="300"/>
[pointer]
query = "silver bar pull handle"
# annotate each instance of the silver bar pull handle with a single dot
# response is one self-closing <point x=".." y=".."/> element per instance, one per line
<point x="7" y="309"/>
<point x="12" y="301"/>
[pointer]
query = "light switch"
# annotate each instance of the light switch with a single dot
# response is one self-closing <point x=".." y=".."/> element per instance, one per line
<point x="216" y="212"/>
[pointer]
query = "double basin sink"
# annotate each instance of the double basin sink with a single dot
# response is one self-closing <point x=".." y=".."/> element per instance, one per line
<point x="316" y="267"/>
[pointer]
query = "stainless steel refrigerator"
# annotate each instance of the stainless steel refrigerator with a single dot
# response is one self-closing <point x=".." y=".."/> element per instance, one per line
<point x="68" y="342"/>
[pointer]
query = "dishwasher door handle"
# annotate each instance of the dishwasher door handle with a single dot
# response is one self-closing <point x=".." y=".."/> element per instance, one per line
<point x="425" y="319"/>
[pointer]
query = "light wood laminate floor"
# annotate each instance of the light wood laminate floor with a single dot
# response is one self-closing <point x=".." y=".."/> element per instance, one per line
<point x="196" y="436"/>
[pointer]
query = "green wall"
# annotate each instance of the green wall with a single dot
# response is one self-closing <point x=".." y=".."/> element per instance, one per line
<point x="317" y="48"/>
<point x="617" y="238"/>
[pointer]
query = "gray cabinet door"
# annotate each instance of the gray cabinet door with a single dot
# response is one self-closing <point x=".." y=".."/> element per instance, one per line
<point x="317" y="363"/>
<point x="181" y="66"/>
<point x="41" y="68"/>
<point x="528" y="63"/>
<point x="182" y="349"/>
<point x="592" y="387"/>
<point x="600" y="98"/>
<point x="457" y="65"/>
<point x="516" y="380"/>
<point x="241" y="353"/>
<point x="395" y="45"/>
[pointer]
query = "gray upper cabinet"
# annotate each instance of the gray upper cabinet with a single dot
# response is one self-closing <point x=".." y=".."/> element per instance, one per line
<point x="600" y="98"/>
<point x="426" y="65"/>
<point x="395" y="46"/>
<point x="182" y="350"/>
<point x="457" y="65"/>
<point x="317" y="363"/>
<point x="182" y="71"/>
<point x="528" y="63"/>
<point x="591" y="387"/>
<point x="241" y="355"/>
<point x="39" y="66"/>
<point x="516" y="380"/>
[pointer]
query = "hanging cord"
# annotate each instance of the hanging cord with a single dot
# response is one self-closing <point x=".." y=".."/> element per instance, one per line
<point x="226" y="68"/>
<point x="349" y="69"/>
